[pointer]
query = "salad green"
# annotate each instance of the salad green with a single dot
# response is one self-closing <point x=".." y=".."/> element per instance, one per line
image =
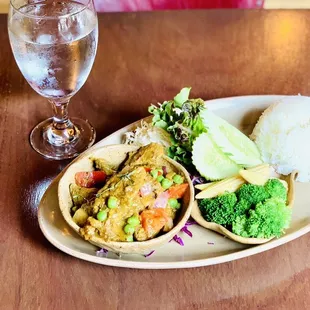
<point x="202" y="141"/>
<point x="181" y="118"/>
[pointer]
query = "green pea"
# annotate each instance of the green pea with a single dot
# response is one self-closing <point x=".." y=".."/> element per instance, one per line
<point x="112" y="202"/>
<point x="129" y="238"/>
<point x="154" y="173"/>
<point x="74" y="208"/>
<point x="160" y="178"/>
<point x="173" y="203"/>
<point x="133" y="220"/>
<point x="177" y="179"/>
<point x="102" y="215"/>
<point x="129" y="229"/>
<point x="166" y="183"/>
<point x="178" y="206"/>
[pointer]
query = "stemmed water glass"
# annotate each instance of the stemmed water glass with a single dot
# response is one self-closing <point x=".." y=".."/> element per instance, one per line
<point x="54" y="44"/>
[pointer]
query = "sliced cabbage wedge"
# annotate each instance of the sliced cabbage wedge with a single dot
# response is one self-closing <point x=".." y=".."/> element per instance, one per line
<point x="234" y="144"/>
<point x="210" y="161"/>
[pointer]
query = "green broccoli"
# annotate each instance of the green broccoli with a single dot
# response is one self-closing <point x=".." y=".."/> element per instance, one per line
<point x="276" y="189"/>
<point x="239" y="226"/>
<point x="241" y="207"/>
<point x="268" y="219"/>
<point x="220" y="209"/>
<point x="253" y="194"/>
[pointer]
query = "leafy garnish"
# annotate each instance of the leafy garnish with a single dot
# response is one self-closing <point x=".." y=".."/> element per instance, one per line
<point x="182" y="96"/>
<point x="180" y="117"/>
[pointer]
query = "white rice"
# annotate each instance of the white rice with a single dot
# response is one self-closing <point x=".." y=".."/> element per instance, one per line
<point x="282" y="134"/>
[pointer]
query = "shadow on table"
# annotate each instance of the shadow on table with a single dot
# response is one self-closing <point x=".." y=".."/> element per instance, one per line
<point x="107" y="118"/>
<point x="105" y="129"/>
<point x="35" y="180"/>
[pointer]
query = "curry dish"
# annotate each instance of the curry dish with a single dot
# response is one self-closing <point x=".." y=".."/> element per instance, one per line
<point x="134" y="202"/>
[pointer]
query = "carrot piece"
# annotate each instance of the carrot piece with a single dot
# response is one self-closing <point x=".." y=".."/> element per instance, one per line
<point x="177" y="191"/>
<point x="153" y="220"/>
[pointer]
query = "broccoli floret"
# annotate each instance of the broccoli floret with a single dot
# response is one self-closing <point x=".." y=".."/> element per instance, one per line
<point x="239" y="226"/>
<point x="241" y="207"/>
<point x="276" y="189"/>
<point x="268" y="219"/>
<point x="253" y="194"/>
<point x="220" y="209"/>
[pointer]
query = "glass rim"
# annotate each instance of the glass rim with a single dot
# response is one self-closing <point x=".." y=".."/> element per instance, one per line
<point x="17" y="10"/>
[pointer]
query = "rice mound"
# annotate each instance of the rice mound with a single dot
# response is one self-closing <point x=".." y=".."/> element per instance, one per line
<point x="282" y="135"/>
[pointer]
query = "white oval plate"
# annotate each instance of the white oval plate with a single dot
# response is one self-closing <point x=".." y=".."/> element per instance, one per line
<point x="205" y="247"/>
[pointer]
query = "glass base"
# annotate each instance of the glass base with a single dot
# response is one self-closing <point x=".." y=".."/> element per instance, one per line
<point x="46" y="140"/>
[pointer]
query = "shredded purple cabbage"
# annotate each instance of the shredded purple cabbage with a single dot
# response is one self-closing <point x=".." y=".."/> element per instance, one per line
<point x="164" y="170"/>
<point x="102" y="252"/>
<point x="149" y="254"/>
<point x="185" y="230"/>
<point x="178" y="240"/>
<point x="190" y="222"/>
<point x="197" y="179"/>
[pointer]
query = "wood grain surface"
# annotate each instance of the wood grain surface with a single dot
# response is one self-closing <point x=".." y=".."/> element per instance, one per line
<point x="143" y="58"/>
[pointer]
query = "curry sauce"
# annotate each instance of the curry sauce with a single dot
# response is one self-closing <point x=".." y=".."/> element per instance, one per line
<point x="136" y="203"/>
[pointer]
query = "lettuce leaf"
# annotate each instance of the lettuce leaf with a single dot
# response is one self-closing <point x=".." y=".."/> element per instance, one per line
<point x="181" y="118"/>
<point x="182" y="96"/>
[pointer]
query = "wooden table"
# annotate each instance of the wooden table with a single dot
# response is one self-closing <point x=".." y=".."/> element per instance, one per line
<point x="145" y="58"/>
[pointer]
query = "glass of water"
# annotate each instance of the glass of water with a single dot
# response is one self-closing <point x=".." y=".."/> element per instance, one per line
<point x="54" y="44"/>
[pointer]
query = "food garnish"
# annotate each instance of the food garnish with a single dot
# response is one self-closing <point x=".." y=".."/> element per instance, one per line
<point x="102" y="252"/>
<point x="149" y="254"/>
<point x="231" y="141"/>
<point x="147" y="133"/>
<point x="210" y="161"/>
<point x="181" y="119"/>
<point x="199" y="139"/>
<point x="178" y="240"/>
<point x="184" y="229"/>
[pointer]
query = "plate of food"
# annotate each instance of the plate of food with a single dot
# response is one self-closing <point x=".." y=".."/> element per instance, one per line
<point x="196" y="183"/>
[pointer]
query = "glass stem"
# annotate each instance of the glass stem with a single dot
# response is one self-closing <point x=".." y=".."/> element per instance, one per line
<point x="62" y="131"/>
<point x="60" y="118"/>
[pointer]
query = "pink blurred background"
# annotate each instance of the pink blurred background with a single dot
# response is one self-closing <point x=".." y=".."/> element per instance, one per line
<point x="149" y="5"/>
